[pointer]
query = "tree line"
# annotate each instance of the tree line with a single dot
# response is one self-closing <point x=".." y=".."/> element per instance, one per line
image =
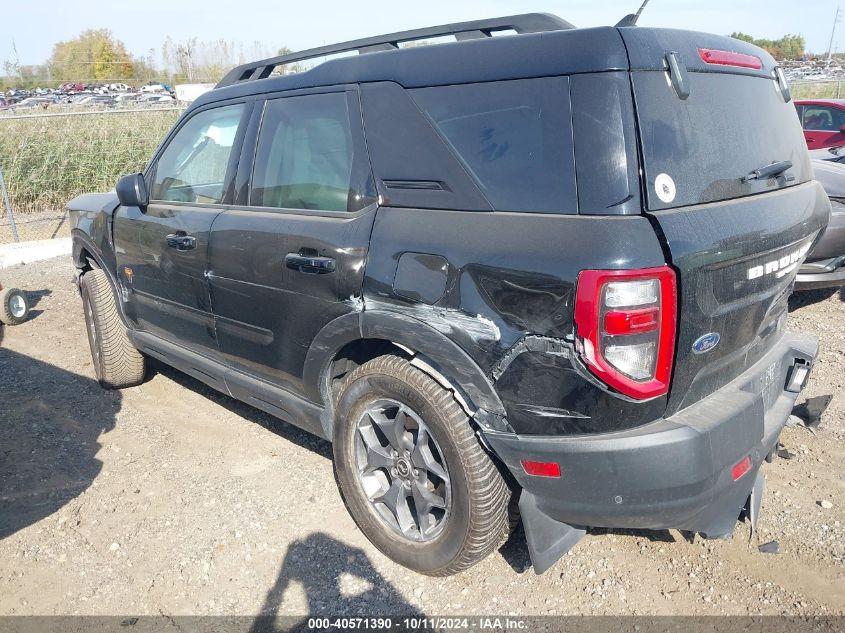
<point x="787" y="47"/>
<point x="97" y="57"/>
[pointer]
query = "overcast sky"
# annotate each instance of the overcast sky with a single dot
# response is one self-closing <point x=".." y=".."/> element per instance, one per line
<point x="36" y="25"/>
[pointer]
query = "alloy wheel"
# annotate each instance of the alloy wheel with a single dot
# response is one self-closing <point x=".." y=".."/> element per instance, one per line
<point x="402" y="470"/>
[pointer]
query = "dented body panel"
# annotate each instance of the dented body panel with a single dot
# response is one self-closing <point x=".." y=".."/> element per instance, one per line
<point x="497" y="297"/>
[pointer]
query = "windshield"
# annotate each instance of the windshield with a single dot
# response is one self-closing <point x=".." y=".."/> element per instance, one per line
<point x="699" y="150"/>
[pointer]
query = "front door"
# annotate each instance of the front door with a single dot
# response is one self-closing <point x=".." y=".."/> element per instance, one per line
<point x="290" y="258"/>
<point x="162" y="250"/>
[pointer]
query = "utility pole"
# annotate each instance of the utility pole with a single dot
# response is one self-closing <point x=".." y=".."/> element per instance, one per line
<point x="836" y="18"/>
<point x="17" y="61"/>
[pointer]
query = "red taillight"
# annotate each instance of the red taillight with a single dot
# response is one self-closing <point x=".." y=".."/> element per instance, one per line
<point x="625" y="322"/>
<point x="741" y="467"/>
<point x="541" y="469"/>
<point x="631" y="321"/>
<point x="727" y="58"/>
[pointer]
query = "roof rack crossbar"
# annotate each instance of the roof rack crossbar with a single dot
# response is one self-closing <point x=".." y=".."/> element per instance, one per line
<point x="475" y="29"/>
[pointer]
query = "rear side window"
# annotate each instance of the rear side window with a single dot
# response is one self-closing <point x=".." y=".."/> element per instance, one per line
<point x="306" y="156"/>
<point x="513" y="137"/>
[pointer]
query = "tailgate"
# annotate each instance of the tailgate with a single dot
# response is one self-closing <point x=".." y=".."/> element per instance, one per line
<point x="735" y="241"/>
<point x="736" y="260"/>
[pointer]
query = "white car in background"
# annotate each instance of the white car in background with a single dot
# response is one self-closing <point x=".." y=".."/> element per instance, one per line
<point x="154" y="88"/>
<point x="155" y="98"/>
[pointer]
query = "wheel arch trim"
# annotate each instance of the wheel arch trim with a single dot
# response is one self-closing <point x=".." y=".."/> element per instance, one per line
<point x="431" y="351"/>
<point x="81" y="242"/>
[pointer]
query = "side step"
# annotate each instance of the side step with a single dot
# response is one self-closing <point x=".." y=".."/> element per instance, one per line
<point x="548" y="539"/>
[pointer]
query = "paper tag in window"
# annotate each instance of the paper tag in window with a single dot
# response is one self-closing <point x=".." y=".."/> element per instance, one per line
<point x="664" y="186"/>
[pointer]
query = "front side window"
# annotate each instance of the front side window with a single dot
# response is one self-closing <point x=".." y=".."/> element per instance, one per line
<point x="823" y="118"/>
<point x="193" y="166"/>
<point x="306" y="156"/>
<point x="514" y="137"/>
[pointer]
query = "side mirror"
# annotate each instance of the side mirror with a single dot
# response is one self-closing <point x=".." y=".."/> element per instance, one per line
<point x="132" y="191"/>
<point x="842" y="129"/>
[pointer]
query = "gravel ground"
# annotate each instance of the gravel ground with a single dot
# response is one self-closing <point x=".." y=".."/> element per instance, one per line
<point x="170" y="498"/>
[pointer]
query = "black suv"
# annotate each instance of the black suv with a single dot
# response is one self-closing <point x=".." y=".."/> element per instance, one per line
<point x="551" y="267"/>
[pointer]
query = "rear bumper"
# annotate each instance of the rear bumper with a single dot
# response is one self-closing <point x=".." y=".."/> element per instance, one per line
<point x="672" y="473"/>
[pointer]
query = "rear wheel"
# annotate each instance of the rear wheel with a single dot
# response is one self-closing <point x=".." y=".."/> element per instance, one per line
<point x="14" y="306"/>
<point x="117" y="363"/>
<point x="411" y="471"/>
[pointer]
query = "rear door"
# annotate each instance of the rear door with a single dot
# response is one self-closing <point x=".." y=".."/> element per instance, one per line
<point x="162" y="250"/>
<point x="289" y="257"/>
<point x="735" y="240"/>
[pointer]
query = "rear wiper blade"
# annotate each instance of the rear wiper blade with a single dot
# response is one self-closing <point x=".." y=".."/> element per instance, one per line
<point x="769" y="171"/>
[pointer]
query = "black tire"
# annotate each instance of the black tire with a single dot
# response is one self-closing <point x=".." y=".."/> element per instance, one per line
<point x="117" y="364"/>
<point x="14" y="306"/>
<point x="478" y="517"/>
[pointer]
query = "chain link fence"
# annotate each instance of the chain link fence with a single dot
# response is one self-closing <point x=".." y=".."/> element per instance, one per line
<point x="48" y="158"/>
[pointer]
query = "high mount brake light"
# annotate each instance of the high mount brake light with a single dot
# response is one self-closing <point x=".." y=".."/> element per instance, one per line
<point x="727" y="58"/>
<point x="625" y="322"/>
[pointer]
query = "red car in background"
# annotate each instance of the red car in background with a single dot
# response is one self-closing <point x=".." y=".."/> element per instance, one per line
<point x="823" y="121"/>
<point x="72" y="87"/>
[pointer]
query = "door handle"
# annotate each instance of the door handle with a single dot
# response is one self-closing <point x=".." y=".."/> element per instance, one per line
<point x="310" y="265"/>
<point x="181" y="242"/>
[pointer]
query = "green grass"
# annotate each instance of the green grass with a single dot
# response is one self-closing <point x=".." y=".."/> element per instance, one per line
<point x="46" y="161"/>
<point x="819" y="90"/>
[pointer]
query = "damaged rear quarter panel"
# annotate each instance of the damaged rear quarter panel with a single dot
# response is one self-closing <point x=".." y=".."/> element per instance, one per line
<point x="513" y="275"/>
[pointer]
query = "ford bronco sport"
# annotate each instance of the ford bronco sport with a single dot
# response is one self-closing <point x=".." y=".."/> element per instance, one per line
<point x="551" y="267"/>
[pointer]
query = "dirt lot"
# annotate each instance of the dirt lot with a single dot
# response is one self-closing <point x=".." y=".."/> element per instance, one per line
<point x="169" y="498"/>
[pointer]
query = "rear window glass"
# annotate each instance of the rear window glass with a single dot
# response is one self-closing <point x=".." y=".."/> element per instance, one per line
<point x="697" y="150"/>
<point x="513" y="137"/>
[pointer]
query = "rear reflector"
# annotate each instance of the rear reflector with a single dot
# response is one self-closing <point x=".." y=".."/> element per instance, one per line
<point x="541" y="469"/>
<point x="741" y="467"/>
<point x="727" y="58"/>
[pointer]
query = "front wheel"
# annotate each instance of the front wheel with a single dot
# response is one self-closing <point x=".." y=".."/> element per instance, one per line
<point x="412" y="473"/>
<point x="117" y="363"/>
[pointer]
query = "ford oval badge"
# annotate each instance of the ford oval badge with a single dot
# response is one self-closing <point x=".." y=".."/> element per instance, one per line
<point x="706" y="343"/>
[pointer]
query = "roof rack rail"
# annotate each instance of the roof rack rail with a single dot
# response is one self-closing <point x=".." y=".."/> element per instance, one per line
<point x="475" y="29"/>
